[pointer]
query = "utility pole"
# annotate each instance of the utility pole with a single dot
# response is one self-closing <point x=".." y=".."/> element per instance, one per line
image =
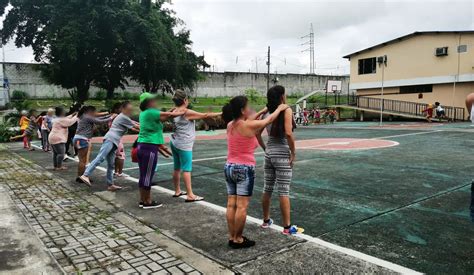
<point x="310" y="42"/>
<point x="268" y="69"/>
<point x="382" y="62"/>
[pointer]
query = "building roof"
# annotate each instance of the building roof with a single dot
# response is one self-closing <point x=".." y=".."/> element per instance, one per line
<point x="401" y="38"/>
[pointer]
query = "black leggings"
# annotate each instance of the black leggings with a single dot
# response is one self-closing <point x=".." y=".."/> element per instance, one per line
<point x="58" y="154"/>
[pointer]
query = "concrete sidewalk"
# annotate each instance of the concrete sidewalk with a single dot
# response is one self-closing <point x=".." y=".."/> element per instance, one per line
<point x="83" y="233"/>
<point x="200" y="230"/>
<point x="21" y="252"/>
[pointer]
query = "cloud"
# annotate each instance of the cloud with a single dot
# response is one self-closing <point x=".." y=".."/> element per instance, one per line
<point x="225" y="30"/>
<point x="235" y="34"/>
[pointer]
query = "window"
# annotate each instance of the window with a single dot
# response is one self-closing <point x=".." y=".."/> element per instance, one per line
<point x="416" y="89"/>
<point x="367" y="66"/>
<point x="462" y="48"/>
<point x="441" y="51"/>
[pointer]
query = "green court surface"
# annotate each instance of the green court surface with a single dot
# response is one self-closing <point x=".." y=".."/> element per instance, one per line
<point x="408" y="204"/>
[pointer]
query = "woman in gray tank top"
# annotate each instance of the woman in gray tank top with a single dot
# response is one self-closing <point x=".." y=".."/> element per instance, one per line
<point x="182" y="142"/>
<point x="279" y="157"/>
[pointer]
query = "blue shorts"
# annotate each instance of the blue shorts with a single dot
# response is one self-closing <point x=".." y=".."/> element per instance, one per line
<point x="240" y="179"/>
<point x="80" y="143"/>
<point x="183" y="160"/>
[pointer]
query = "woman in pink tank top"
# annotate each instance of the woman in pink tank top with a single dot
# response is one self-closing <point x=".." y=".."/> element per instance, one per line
<point x="242" y="129"/>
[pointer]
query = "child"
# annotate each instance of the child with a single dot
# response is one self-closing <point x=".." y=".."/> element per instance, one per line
<point x="429" y="112"/>
<point x="29" y="131"/>
<point x="24" y="121"/>
<point x="440" y="112"/>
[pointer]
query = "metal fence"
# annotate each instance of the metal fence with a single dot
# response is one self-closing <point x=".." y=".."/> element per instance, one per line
<point x="406" y="107"/>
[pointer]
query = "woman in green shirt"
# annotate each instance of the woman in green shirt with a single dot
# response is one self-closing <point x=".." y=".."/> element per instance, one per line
<point x="150" y="139"/>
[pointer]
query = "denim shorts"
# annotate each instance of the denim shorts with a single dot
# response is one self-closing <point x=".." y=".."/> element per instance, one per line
<point x="240" y="179"/>
<point x="80" y="143"/>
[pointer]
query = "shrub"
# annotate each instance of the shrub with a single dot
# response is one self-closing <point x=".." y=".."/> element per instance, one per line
<point x="252" y="94"/>
<point x="126" y="95"/>
<point x="110" y="103"/>
<point x="7" y="131"/>
<point x="101" y="95"/>
<point x="19" y="95"/>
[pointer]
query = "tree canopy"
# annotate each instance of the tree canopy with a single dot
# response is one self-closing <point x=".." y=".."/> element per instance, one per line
<point x="103" y="42"/>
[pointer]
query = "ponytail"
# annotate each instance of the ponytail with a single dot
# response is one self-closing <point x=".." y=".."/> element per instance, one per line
<point x="233" y="109"/>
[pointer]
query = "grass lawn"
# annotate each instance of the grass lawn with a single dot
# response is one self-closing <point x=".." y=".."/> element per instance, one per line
<point x="200" y="104"/>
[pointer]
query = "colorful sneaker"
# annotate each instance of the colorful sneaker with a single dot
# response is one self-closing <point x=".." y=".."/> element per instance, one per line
<point x="266" y="225"/>
<point x="293" y="230"/>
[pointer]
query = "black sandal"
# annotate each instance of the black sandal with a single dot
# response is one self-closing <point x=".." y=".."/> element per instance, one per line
<point x="245" y="244"/>
<point x="180" y="194"/>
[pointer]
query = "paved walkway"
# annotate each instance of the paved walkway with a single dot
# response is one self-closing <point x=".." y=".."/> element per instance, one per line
<point x="95" y="230"/>
<point x="85" y="234"/>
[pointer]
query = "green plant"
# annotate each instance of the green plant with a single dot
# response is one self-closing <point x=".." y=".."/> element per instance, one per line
<point x="252" y="94"/>
<point x="7" y="131"/>
<point x="101" y="95"/>
<point x="19" y="95"/>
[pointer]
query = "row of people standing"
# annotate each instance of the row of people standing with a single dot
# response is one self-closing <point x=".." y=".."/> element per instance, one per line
<point x="244" y="133"/>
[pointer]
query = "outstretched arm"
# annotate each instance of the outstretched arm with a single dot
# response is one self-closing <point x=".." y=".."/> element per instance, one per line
<point x="259" y="114"/>
<point x="193" y="115"/>
<point x="259" y="124"/>
<point x="166" y="115"/>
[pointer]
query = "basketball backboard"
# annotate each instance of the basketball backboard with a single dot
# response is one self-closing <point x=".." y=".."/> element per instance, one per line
<point x="334" y="86"/>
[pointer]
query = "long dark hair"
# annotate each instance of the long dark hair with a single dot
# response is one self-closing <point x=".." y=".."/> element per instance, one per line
<point x="233" y="109"/>
<point x="274" y="99"/>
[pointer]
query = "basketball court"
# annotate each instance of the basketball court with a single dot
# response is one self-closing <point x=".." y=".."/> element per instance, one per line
<point x="399" y="192"/>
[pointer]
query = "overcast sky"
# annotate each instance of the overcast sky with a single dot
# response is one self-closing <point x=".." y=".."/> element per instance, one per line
<point x="235" y="33"/>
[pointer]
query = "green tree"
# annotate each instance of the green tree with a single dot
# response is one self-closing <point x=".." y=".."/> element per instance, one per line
<point x="163" y="58"/>
<point x="80" y="40"/>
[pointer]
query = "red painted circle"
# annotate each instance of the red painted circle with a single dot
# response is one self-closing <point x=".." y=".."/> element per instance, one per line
<point x="335" y="144"/>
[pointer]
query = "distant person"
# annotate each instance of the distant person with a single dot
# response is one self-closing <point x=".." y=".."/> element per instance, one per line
<point x="58" y="136"/>
<point x="24" y="122"/>
<point x="332" y="116"/>
<point x="122" y="123"/>
<point x="71" y="131"/>
<point x="29" y="132"/>
<point x="46" y="128"/>
<point x="280" y="153"/>
<point x="305" y="116"/>
<point x="298" y="116"/>
<point x="182" y="142"/>
<point x="428" y="112"/>
<point x="242" y="129"/>
<point x="440" y="112"/>
<point x="317" y="116"/>
<point x="39" y="122"/>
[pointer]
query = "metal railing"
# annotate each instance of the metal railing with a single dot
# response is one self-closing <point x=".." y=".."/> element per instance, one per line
<point x="406" y="107"/>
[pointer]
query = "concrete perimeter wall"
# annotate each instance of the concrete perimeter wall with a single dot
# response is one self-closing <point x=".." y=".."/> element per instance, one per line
<point x="26" y="77"/>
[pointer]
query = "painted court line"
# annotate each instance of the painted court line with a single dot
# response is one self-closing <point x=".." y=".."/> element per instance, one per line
<point x="344" y="250"/>
<point x="305" y="147"/>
